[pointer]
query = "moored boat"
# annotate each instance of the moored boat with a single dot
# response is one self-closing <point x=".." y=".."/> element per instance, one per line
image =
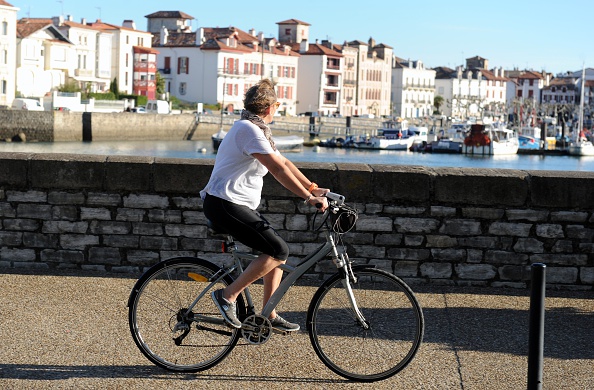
<point x="394" y="135"/>
<point x="490" y="140"/>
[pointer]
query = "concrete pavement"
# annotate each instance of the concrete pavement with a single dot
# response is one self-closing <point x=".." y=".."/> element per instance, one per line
<point x="70" y="330"/>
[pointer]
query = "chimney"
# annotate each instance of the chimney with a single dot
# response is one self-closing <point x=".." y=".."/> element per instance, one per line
<point x="129" y="24"/>
<point x="200" y="36"/>
<point x="163" y="36"/>
<point x="260" y="36"/>
<point x="303" y="46"/>
<point x="58" y="20"/>
<point x="83" y="21"/>
<point x="252" y="32"/>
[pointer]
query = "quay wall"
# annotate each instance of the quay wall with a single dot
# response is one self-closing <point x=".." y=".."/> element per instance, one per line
<point x="60" y="126"/>
<point x="445" y="226"/>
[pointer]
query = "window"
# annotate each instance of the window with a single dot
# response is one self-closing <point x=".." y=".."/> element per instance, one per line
<point x="3" y="87"/>
<point x="183" y="65"/>
<point x="4" y="28"/>
<point x="287" y="31"/>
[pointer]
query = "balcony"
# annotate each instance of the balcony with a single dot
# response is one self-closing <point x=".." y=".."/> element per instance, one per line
<point x="83" y="73"/>
<point x="145" y="67"/>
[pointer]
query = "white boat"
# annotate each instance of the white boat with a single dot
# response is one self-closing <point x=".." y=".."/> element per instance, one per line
<point x="452" y="140"/>
<point x="490" y="140"/>
<point x="393" y="135"/>
<point x="286" y="143"/>
<point x="581" y="146"/>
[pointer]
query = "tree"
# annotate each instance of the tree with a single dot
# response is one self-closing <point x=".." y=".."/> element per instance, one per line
<point x="69" y="86"/>
<point x="437" y="103"/>
<point x="160" y="83"/>
<point x="113" y="87"/>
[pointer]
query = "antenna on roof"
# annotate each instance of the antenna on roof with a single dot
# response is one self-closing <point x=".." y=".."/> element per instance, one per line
<point x="62" y="3"/>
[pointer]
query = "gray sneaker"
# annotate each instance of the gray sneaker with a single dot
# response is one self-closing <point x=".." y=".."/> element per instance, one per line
<point x="227" y="309"/>
<point x="281" y="324"/>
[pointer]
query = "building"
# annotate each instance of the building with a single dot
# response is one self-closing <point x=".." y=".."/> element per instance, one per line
<point x="413" y="89"/>
<point x="218" y="65"/>
<point x="8" y="49"/>
<point x="133" y="62"/>
<point x="319" y="75"/>
<point x="474" y="91"/>
<point x="45" y="57"/>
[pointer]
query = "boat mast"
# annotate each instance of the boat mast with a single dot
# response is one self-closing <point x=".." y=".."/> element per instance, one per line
<point x="581" y="117"/>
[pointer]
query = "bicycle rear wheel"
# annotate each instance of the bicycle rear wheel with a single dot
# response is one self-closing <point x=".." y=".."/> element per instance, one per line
<point x="393" y="316"/>
<point x="163" y="329"/>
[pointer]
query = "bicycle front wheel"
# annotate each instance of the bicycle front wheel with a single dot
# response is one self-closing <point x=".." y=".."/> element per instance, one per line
<point x="381" y="346"/>
<point x="166" y="331"/>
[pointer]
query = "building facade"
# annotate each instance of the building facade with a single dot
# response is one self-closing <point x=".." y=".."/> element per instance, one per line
<point x="8" y="49"/>
<point x="413" y="89"/>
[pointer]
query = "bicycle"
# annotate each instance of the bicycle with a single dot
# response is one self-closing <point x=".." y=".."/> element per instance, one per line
<point x="365" y="324"/>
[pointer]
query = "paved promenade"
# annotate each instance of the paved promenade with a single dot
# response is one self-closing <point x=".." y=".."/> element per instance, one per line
<point x="70" y="331"/>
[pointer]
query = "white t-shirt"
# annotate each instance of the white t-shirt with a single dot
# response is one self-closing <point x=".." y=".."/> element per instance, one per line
<point x="237" y="176"/>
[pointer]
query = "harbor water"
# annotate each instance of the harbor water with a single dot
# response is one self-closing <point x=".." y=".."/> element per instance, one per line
<point x="203" y="149"/>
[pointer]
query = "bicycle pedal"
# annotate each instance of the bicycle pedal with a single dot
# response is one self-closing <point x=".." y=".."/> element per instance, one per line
<point x="283" y="332"/>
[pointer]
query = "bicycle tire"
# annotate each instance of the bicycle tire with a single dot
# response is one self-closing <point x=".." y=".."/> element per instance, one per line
<point x="394" y="316"/>
<point x="156" y="301"/>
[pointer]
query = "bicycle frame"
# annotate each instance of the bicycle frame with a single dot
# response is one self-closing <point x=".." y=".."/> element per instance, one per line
<point x="294" y="273"/>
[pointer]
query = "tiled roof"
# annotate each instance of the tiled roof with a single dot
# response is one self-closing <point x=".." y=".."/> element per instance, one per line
<point x="316" y="49"/>
<point x="531" y="75"/>
<point x="2" y="2"/>
<point x="169" y="15"/>
<point x="145" y="50"/>
<point x="443" y="72"/>
<point x="26" y="27"/>
<point x="294" y="21"/>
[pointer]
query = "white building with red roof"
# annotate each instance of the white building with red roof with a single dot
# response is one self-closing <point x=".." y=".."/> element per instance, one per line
<point x="8" y="48"/>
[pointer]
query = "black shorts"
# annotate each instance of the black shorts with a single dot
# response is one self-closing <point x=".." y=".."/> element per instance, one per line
<point x="245" y="225"/>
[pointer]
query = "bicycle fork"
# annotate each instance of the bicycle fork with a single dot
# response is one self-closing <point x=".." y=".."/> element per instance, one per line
<point x="342" y="262"/>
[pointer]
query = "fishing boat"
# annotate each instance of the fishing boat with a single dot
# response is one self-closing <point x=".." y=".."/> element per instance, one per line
<point x="490" y="140"/>
<point x="451" y="140"/>
<point x="394" y="135"/>
<point x="285" y="143"/>
<point x="581" y="146"/>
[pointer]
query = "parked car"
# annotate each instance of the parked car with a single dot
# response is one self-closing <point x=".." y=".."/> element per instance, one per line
<point x="26" y="104"/>
<point x="139" y="110"/>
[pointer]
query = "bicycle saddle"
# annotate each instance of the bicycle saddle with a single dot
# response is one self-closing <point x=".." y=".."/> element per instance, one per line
<point x="214" y="230"/>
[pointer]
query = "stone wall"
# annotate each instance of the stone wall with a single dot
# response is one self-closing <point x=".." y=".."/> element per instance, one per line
<point x="428" y="225"/>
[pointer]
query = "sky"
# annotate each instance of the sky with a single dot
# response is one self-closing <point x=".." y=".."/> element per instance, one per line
<point x="547" y="35"/>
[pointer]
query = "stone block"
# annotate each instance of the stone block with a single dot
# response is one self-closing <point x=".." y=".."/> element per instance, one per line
<point x="78" y="241"/>
<point x="109" y="227"/>
<point x="130" y="215"/>
<point x="587" y="275"/>
<point x="190" y="231"/>
<point x="504" y="257"/>
<point x="65" y="227"/>
<point x="93" y="213"/>
<point x="11" y="238"/>
<point x="147" y="229"/>
<point x="449" y="255"/>
<point x="479" y="186"/>
<point x="62" y="256"/>
<point x="435" y="241"/>
<point x="34" y="211"/>
<point x="406" y="268"/>
<point x="29" y="225"/>
<point x="562" y="189"/>
<point x="188" y="203"/>
<point x="158" y="243"/>
<point x="563" y="275"/>
<point x="482" y="213"/>
<point x="66" y="213"/>
<point x="548" y="230"/>
<point x="165" y="216"/>
<point x="101" y="255"/>
<point x="374" y="224"/>
<point x="461" y="227"/>
<point x="39" y="240"/>
<point x="436" y="270"/>
<point x="14" y="170"/>
<point x="296" y="222"/>
<point x="16" y="254"/>
<point x="128" y="173"/>
<point x="65" y="198"/>
<point x="529" y="245"/>
<point x="388" y="239"/>
<point x="442" y="211"/>
<point x="510" y="229"/>
<point x="103" y="199"/>
<point x="527" y="215"/>
<point x="416" y="225"/>
<point x="181" y="176"/>
<point x="67" y="171"/>
<point x="393" y="184"/>
<point x="146" y="201"/>
<point x="475" y="271"/>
